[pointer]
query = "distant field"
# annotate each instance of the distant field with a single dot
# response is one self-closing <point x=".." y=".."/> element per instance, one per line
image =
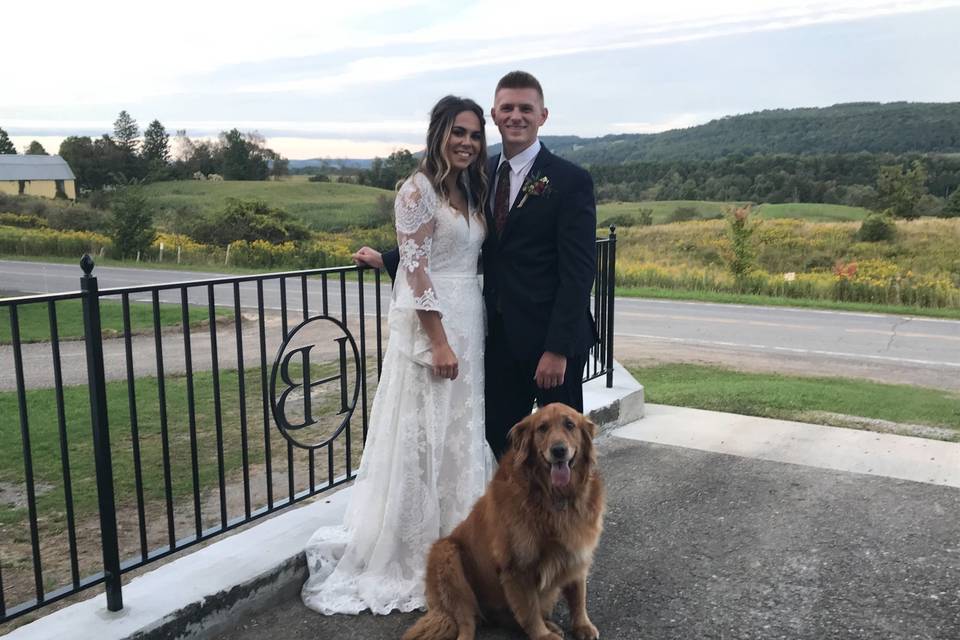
<point x="324" y="206"/>
<point x="663" y="209"/>
<point x="813" y="212"/>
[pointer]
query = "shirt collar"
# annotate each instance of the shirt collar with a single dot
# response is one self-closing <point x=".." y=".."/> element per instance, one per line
<point x="522" y="159"/>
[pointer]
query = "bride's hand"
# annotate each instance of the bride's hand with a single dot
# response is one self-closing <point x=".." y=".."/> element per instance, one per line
<point x="445" y="363"/>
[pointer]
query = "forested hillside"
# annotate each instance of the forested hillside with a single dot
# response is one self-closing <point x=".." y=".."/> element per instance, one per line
<point x="897" y="127"/>
<point x="850" y="179"/>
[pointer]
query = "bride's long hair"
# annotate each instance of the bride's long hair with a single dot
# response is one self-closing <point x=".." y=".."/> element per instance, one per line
<point x="434" y="163"/>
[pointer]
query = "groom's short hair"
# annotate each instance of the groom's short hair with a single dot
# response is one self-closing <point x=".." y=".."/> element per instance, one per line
<point x="519" y="80"/>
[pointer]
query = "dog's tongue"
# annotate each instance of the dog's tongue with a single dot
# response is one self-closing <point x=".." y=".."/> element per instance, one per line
<point x="560" y="473"/>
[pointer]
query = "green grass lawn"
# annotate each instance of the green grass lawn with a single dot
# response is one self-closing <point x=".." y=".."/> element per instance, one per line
<point x="43" y="421"/>
<point x="324" y="206"/>
<point x="771" y="301"/>
<point x="35" y="320"/>
<point x="796" y="397"/>
<point x="663" y="209"/>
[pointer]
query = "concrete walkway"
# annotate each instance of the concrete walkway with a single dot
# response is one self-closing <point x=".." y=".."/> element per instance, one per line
<point x="718" y="526"/>
<point x="779" y="543"/>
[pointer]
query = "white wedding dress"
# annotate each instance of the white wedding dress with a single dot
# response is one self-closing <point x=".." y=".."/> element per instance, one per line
<point x="426" y="459"/>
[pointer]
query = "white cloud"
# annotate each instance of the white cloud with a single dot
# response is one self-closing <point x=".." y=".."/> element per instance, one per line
<point x="104" y="51"/>
<point x="580" y="28"/>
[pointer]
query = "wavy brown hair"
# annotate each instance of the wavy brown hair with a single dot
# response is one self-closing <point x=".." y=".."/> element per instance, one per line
<point x="434" y="163"/>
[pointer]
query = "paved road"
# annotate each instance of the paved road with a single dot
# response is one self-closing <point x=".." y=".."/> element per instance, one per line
<point x="883" y="347"/>
<point x="706" y="545"/>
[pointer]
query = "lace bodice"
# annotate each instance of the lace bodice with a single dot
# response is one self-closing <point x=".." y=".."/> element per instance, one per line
<point x="434" y="239"/>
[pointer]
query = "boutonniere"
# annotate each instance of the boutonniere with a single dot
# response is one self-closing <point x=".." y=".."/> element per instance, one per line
<point x="535" y="185"/>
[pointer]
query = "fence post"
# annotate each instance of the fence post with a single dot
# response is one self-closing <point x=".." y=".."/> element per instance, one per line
<point x="101" y="434"/>
<point x="611" y="291"/>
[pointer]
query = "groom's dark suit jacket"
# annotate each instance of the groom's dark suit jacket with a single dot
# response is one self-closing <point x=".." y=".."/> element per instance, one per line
<point x="539" y="273"/>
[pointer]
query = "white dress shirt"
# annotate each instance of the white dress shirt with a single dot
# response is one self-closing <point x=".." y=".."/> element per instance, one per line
<point x="520" y="166"/>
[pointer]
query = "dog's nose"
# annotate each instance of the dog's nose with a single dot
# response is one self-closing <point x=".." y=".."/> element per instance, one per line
<point x="559" y="451"/>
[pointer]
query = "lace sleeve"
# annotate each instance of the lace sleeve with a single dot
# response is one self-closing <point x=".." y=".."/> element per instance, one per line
<point x="415" y="222"/>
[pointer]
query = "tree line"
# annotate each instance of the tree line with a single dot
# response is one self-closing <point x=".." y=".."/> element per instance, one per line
<point x="123" y="157"/>
<point x="860" y="179"/>
<point x="897" y="127"/>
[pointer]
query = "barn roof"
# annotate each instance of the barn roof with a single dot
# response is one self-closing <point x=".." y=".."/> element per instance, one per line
<point x="17" y="167"/>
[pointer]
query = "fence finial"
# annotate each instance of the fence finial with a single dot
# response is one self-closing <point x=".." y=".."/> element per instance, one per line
<point x="86" y="263"/>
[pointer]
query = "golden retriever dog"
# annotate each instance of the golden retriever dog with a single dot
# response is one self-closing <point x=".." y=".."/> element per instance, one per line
<point x="528" y="539"/>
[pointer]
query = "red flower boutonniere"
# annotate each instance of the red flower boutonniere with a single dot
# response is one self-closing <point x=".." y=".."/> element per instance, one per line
<point x="536" y="185"/>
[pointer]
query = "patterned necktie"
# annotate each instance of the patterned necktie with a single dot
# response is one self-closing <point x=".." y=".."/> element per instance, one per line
<point x="501" y="199"/>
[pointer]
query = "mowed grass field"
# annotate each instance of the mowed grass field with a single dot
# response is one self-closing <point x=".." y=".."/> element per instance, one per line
<point x="331" y="206"/>
<point x="323" y="206"/>
<point x="662" y="210"/>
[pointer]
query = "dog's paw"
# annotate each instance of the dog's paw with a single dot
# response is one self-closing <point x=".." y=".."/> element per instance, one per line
<point x="585" y="631"/>
<point x="553" y="627"/>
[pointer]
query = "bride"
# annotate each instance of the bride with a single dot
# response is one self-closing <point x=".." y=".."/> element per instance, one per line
<point x="426" y="460"/>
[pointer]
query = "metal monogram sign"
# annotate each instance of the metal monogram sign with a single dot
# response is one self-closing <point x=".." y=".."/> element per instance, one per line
<point x="318" y="371"/>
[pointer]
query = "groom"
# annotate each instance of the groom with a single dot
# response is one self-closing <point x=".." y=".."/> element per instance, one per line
<point x="539" y="261"/>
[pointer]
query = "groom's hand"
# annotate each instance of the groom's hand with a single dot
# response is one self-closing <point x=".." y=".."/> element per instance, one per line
<point x="369" y="257"/>
<point x="550" y="370"/>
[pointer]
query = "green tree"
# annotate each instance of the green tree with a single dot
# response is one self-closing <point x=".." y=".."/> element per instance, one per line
<point x="279" y="166"/>
<point x="36" y="149"/>
<point x="77" y="151"/>
<point x="952" y="208"/>
<point x="125" y="132"/>
<point x="236" y="156"/>
<point x="156" y="144"/>
<point x="900" y="191"/>
<point x="6" y="146"/>
<point x="131" y="227"/>
<point x="385" y="173"/>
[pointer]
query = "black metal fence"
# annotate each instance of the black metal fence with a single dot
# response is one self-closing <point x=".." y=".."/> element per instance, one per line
<point x="138" y="421"/>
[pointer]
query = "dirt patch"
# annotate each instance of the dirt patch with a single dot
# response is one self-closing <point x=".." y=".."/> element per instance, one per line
<point x="881" y="426"/>
<point x="15" y="495"/>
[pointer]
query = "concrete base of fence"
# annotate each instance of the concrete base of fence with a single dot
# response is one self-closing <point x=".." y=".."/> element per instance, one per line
<point x="204" y="593"/>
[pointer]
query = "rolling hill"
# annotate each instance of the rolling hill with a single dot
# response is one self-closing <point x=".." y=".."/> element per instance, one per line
<point x="896" y="127"/>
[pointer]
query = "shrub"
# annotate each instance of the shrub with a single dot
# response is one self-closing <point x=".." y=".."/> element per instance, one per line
<point x="683" y="214"/>
<point x="384" y="211"/>
<point x="320" y="177"/>
<point x="620" y="220"/>
<point x="98" y="199"/>
<point x="739" y="230"/>
<point x="249" y="220"/>
<point x="877" y="227"/>
<point x="22" y="221"/>
<point x="50" y="242"/>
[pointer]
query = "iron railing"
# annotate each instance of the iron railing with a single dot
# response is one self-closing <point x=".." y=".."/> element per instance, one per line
<point x="169" y="423"/>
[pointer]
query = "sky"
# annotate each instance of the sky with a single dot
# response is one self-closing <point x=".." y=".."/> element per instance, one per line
<point x="358" y="79"/>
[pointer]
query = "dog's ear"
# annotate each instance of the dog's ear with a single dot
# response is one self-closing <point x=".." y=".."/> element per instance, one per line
<point x="519" y="437"/>
<point x="590" y="427"/>
<point x="589" y="430"/>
